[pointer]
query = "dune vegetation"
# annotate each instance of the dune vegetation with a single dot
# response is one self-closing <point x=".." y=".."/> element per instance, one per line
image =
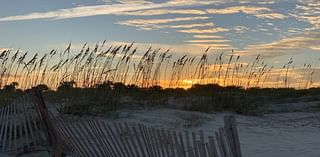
<point x="105" y="78"/>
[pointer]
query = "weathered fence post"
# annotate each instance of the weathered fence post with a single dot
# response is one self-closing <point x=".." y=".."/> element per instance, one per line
<point x="52" y="134"/>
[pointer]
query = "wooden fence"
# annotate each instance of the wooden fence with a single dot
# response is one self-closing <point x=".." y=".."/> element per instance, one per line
<point x="27" y="125"/>
<point x="21" y="127"/>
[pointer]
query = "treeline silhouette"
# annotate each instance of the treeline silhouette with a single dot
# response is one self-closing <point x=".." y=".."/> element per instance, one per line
<point x="108" y="97"/>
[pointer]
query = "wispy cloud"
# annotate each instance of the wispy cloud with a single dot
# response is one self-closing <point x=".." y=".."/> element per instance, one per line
<point x="271" y="16"/>
<point x="309" y="11"/>
<point x="316" y="47"/>
<point x="146" y="8"/>
<point x="130" y="1"/>
<point x="240" y="29"/>
<point x="266" y="2"/>
<point x="294" y="30"/>
<point x="207" y="41"/>
<point x="239" y="9"/>
<point x="209" y="24"/>
<point x="164" y="12"/>
<point x="84" y="11"/>
<point x="213" y="46"/>
<point x="207" y="36"/>
<point x="259" y="12"/>
<point x="289" y="45"/>
<point x="149" y="24"/>
<point x="204" y="31"/>
<point x="160" y="21"/>
<point x="81" y="11"/>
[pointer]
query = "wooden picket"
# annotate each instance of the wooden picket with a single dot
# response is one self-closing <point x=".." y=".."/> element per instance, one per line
<point x="27" y="125"/>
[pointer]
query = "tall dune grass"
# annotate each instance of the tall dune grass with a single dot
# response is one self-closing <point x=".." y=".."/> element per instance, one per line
<point x="127" y="64"/>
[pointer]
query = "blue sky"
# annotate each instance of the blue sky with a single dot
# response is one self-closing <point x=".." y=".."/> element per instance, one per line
<point x="277" y="29"/>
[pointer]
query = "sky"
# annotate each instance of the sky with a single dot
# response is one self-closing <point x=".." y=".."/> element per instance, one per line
<point x="278" y="30"/>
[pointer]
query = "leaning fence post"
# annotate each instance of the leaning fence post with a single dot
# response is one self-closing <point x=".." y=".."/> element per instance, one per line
<point x="52" y="134"/>
<point x="232" y="135"/>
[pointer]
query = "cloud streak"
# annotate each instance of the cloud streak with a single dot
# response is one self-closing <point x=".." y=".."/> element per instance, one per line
<point x="259" y="12"/>
<point x="239" y="9"/>
<point x="204" y="31"/>
<point x="290" y="45"/>
<point x="271" y="16"/>
<point x="209" y="24"/>
<point x="213" y="46"/>
<point x="84" y="11"/>
<point x="149" y="24"/>
<point x="207" y="36"/>
<point x="164" y="12"/>
<point x="207" y="41"/>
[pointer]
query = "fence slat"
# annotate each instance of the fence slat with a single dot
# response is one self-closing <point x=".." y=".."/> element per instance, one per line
<point x="95" y="143"/>
<point x="67" y="138"/>
<point x="212" y="147"/>
<point x="79" y="145"/>
<point x="188" y="143"/>
<point x="232" y="135"/>
<point x="86" y="146"/>
<point x="130" y="140"/>
<point x="115" y="141"/>
<point x="6" y="130"/>
<point x="172" y="146"/>
<point x="101" y="137"/>
<point x="121" y="139"/>
<point x="140" y="143"/>
<point x="195" y="146"/>
<point x="145" y="139"/>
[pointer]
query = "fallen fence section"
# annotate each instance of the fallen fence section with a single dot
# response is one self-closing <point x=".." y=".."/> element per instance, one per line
<point x="27" y="125"/>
